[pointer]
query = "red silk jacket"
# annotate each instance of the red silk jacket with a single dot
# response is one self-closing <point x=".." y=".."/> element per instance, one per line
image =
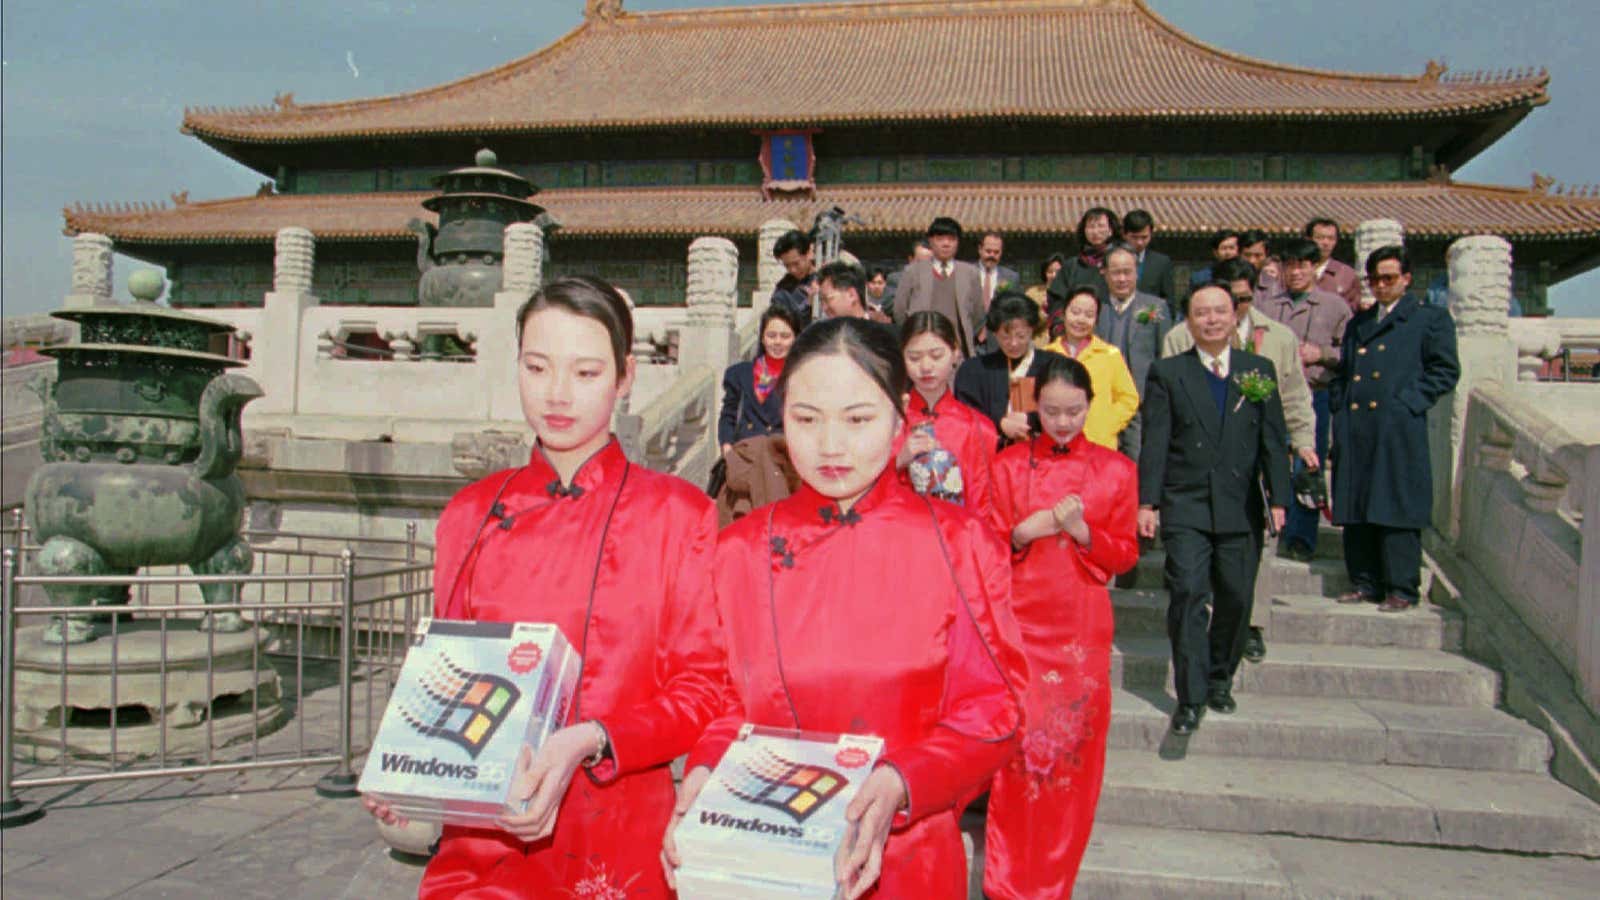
<point x="891" y="620"/>
<point x="621" y="561"/>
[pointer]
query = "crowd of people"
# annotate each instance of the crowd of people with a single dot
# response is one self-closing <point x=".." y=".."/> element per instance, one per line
<point x="929" y="481"/>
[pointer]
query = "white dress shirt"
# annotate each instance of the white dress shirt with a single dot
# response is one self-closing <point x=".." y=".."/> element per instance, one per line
<point x="1210" y="361"/>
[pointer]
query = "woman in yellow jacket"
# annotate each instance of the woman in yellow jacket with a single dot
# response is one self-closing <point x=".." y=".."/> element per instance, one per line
<point x="1116" y="399"/>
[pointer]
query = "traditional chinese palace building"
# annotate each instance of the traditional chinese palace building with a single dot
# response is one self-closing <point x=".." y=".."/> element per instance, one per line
<point x="645" y="130"/>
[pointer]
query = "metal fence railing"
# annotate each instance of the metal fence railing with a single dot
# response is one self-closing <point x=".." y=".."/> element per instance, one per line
<point x="324" y="615"/>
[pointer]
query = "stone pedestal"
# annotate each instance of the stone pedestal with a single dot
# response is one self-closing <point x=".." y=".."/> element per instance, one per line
<point x="1371" y="235"/>
<point x="240" y="694"/>
<point x="91" y="272"/>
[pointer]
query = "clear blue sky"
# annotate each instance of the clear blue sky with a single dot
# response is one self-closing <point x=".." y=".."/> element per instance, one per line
<point x="94" y="92"/>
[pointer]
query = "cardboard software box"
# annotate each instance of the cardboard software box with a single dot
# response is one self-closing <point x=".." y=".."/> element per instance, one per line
<point x="469" y="696"/>
<point x="770" y="818"/>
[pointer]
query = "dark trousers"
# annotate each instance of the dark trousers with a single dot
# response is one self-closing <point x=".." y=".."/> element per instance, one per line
<point x="1300" y="525"/>
<point x="1220" y="570"/>
<point x="1384" y="561"/>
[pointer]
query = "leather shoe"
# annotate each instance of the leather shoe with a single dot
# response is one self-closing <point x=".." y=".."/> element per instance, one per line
<point x="1187" y="718"/>
<point x="1357" y="597"/>
<point x="1221" y="700"/>
<point x="1255" y="646"/>
<point x="1395" y="604"/>
<point x="1299" y="552"/>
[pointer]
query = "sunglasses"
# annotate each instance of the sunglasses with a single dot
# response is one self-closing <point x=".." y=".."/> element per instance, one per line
<point x="1384" y="279"/>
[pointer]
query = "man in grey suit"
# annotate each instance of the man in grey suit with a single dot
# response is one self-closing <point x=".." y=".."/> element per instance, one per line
<point x="1134" y="322"/>
<point x="945" y="285"/>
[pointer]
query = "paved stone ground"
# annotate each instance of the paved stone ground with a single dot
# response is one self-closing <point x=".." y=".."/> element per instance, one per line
<point x="238" y="836"/>
<point x="234" y="835"/>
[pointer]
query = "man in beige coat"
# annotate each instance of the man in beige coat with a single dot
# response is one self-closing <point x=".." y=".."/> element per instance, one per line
<point x="1261" y="334"/>
<point x="945" y="285"/>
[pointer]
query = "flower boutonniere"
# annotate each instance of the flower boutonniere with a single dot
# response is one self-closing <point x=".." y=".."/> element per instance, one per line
<point x="1002" y="286"/>
<point x="1253" y="386"/>
<point x="1150" y="315"/>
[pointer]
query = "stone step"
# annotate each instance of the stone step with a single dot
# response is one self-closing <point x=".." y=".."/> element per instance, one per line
<point x="1139" y="611"/>
<point x="1305" y="619"/>
<point x="1320" y="670"/>
<point x="1338" y="730"/>
<point x="1320" y="577"/>
<point x="1138" y="862"/>
<point x="1509" y="811"/>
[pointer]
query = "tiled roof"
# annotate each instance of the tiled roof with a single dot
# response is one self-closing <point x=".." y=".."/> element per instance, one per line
<point x="833" y="63"/>
<point x="1428" y="209"/>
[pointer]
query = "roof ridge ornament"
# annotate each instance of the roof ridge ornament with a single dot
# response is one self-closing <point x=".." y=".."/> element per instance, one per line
<point x="605" y="11"/>
<point x="1434" y="70"/>
<point x="1541" y="184"/>
<point x="283" y="100"/>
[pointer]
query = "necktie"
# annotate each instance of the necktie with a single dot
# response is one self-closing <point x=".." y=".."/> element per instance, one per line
<point x="1216" y="367"/>
<point x="943" y="271"/>
<point x="988" y="285"/>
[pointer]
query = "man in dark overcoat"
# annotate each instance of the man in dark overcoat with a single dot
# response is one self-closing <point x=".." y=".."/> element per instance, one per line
<point x="1399" y="358"/>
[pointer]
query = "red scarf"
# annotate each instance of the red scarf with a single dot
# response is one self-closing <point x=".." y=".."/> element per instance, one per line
<point x="1093" y="257"/>
<point x="767" y="371"/>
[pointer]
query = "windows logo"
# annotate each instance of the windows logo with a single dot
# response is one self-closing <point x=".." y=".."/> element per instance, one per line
<point x="464" y="708"/>
<point x="798" y="789"/>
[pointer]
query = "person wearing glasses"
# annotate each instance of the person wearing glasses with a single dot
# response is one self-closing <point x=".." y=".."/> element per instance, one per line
<point x="1399" y="359"/>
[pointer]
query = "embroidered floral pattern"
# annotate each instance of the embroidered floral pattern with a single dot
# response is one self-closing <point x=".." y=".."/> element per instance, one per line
<point x="1056" y="741"/>
<point x="599" y="884"/>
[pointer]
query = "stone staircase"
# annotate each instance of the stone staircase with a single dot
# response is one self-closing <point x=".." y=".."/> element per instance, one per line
<point x="1367" y="758"/>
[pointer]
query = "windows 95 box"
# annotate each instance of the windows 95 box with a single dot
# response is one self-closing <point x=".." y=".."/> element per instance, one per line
<point x="771" y="816"/>
<point x="469" y="696"/>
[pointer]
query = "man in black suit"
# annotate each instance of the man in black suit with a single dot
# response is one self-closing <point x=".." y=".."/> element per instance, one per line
<point x="1155" y="267"/>
<point x="1399" y="358"/>
<point x="1210" y="436"/>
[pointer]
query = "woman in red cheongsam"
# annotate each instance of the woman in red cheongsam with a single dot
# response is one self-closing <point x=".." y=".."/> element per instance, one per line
<point x="936" y="420"/>
<point x="857" y="606"/>
<point x="1070" y="508"/>
<point x="618" y="557"/>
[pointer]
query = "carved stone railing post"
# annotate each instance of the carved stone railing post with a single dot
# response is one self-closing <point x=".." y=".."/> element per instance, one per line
<point x="275" y="354"/>
<point x="91" y="271"/>
<point x="521" y="273"/>
<point x="768" y="270"/>
<point x="293" y="260"/>
<point x="1480" y="303"/>
<point x="1371" y="235"/>
<point x="709" y="338"/>
<point x="523" y="269"/>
